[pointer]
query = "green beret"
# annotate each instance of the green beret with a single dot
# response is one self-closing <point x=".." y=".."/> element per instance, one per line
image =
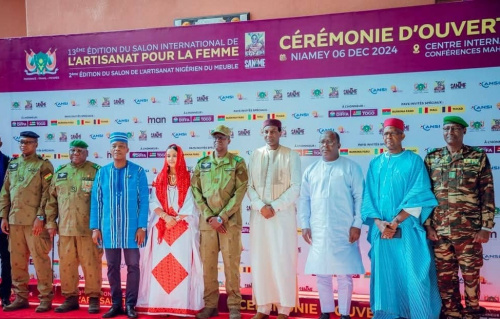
<point x="454" y="120"/>
<point x="78" y="143"/>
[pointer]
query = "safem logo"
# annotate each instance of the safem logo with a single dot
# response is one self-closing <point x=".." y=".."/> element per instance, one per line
<point x="177" y="135"/>
<point x="323" y="130"/>
<point x="300" y="115"/>
<point x="226" y="97"/>
<point x="486" y="85"/>
<point x="121" y="121"/>
<point x="428" y="127"/>
<point x="377" y="90"/>
<point x="59" y="104"/>
<point x="139" y="101"/>
<point x="96" y="136"/>
<point x="479" y="108"/>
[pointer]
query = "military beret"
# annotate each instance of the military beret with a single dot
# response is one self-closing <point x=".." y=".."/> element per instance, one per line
<point x="29" y="134"/>
<point x="78" y="143"/>
<point x="454" y="120"/>
<point x="222" y="129"/>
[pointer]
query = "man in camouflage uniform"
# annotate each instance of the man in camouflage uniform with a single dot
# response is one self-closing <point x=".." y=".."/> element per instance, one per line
<point x="462" y="222"/>
<point x="219" y="185"/>
<point x="22" y="206"/>
<point x="68" y="212"/>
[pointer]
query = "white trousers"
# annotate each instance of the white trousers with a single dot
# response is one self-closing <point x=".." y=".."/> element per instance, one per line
<point x="266" y="309"/>
<point x="325" y="290"/>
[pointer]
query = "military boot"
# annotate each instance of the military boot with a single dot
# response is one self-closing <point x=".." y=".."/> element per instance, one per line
<point x="94" y="306"/>
<point x="19" y="303"/>
<point x="71" y="303"/>
<point x="45" y="305"/>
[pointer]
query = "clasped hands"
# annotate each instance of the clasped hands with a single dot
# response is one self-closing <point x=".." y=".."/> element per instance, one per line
<point x="386" y="229"/>
<point x="267" y="211"/>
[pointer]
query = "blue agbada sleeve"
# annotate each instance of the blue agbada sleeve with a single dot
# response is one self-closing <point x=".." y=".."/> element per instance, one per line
<point x="369" y="209"/>
<point x="143" y="192"/>
<point x="419" y="193"/>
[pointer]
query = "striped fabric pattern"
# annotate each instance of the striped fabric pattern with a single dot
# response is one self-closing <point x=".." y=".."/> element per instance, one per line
<point x="119" y="204"/>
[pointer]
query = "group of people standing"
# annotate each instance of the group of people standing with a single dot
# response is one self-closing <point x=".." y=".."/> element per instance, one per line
<point x="448" y="199"/>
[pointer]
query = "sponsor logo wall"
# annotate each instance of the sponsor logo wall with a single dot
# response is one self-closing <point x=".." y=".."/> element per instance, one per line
<point x="315" y="74"/>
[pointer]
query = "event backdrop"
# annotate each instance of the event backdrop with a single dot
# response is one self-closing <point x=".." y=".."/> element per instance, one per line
<point x="344" y="72"/>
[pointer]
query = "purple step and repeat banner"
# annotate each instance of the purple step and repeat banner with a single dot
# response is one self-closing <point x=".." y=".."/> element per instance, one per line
<point x="343" y="72"/>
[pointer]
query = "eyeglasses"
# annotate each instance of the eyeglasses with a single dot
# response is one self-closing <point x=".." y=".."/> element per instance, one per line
<point x="23" y="142"/>
<point x="327" y="142"/>
<point x="452" y="128"/>
<point x="391" y="134"/>
<point x="220" y="137"/>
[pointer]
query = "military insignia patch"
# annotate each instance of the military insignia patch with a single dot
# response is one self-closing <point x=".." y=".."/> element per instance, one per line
<point x="206" y="165"/>
<point x="13" y="166"/>
<point x="62" y="176"/>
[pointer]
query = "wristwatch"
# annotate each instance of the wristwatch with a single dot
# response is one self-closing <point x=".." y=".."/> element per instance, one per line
<point x="40" y="217"/>
<point x="219" y="220"/>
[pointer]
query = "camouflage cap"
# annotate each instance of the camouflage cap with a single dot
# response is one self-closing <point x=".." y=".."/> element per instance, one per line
<point x="78" y="143"/>
<point x="222" y="129"/>
<point x="454" y="120"/>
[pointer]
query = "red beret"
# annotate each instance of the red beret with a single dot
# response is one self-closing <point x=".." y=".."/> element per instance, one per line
<point x="397" y="123"/>
<point x="272" y="122"/>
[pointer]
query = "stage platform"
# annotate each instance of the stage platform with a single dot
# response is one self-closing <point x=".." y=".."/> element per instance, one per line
<point x="308" y="303"/>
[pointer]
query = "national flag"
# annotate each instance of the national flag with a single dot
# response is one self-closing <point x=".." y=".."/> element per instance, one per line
<point x="423" y="110"/>
<point x="48" y="176"/>
<point x="57" y="156"/>
<point x="252" y="117"/>
<point x="379" y="151"/>
<point x="221" y="117"/>
<point x="32" y="123"/>
<point x="271" y="116"/>
<point x="344" y="151"/>
<point x="308" y="152"/>
<point x="97" y="121"/>
<point x="386" y="112"/>
<point x="53" y="122"/>
<point x="447" y="109"/>
<point x="356" y="113"/>
<point x="246" y="269"/>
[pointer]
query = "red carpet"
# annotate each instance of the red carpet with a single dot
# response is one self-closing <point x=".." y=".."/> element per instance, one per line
<point x="83" y="314"/>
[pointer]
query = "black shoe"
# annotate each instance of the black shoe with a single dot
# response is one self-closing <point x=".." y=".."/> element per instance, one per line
<point x="113" y="312"/>
<point x="131" y="313"/>
<point x="345" y="317"/>
<point x="5" y="302"/>
<point x="325" y="315"/>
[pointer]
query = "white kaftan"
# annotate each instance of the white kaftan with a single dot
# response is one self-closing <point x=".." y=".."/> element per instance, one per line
<point x="171" y="272"/>
<point x="330" y="204"/>
<point x="274" y="179"/>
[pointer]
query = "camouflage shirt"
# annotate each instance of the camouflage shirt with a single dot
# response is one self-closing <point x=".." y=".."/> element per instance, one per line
<point x="463" y="185"/>
<point x="25" y="189"/>
<point x="69" y="199"/>
<point x="219" y="186"/>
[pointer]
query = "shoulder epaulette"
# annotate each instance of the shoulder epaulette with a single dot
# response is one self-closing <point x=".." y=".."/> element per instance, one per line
<point x="433" y="150"/>
<point x="238" y="158"/>
<point x="96" y="166"/>
<point x="477" y="149"/>
<point x="60" y="167"/>
<point x="204" y="157"/>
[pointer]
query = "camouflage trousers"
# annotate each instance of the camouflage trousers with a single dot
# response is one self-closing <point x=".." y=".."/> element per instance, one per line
<point x="451" y="253"/>
<point x="79" y="250"/>
<point x="229" y="244"/>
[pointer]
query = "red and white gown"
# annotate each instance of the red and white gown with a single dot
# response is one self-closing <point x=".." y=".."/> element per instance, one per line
<point x="171" y="271"/>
